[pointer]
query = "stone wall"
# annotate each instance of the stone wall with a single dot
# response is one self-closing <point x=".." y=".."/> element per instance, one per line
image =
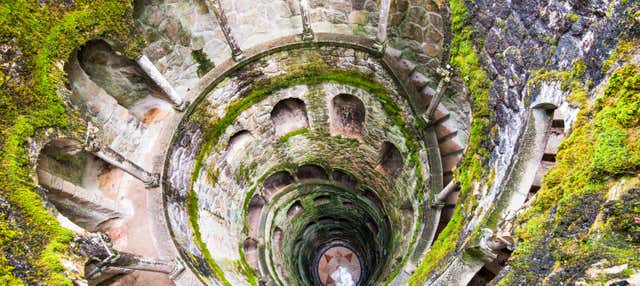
<point x="227" y="179"/>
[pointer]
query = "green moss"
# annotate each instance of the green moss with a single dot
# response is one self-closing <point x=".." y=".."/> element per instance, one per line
<point x="45" y="35"/>
<point x="286" y="137"/>
<point x="243" y="267"/>
<point x="573" y="17"/>
<point x="359" y="30"/>
<point x="204" y="63"/>
<point x="467" y="63"/>
<point x="303" y="75"/>
<point x="603" y="148"/>
<point x="192" y="210"/>
<point x="570" y="81"/>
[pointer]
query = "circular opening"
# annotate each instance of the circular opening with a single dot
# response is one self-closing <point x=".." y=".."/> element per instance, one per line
<point x="338" y="265"/>
<point x="328" y="243"/>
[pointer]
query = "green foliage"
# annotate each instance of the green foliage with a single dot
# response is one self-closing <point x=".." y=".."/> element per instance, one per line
<point x="602" y="148"/>
<point x="41" y="36"/>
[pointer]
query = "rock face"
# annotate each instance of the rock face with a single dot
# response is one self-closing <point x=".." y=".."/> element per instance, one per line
<point x="308" y="142"/>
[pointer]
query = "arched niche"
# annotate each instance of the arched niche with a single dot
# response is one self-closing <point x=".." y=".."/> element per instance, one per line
<point x="373" y="198"/>
<point x="294" y="210"/>
<point x="345" y="179"/>
<point x="289" y="115"/>
<point x="310" y="172"/>
<point x="276" y="182"/>
<point x="322" y="199"/>
<point x="81" y="186"/>
<point x="254" y="211"/>
<point x="347" y="116"/>
<point x="124" y="80"/>
<point x="237" y="144"/>
<point x="390" y="160"/>
<point x="277" y="238"/>
<point x="250" y="248"/>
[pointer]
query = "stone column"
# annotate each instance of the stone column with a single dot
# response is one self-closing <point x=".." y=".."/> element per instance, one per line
<point x="500" y="241"/>
<point x="442" y="195"/>
<point x="112" y="157"/>
<point x="383" y="20"/>
<point x="102" y="108"/>
<point x="442" y="87"/>
<point x="105" y="262"/>
<point x="307" y="32"/>
<point x="216" y="7"/>
<point x="150" y="69"/>
<point x="87" y="208"/>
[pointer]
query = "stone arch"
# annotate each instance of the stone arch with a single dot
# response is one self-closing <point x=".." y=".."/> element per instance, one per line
<point x="256" y="204"/>
<point x="373" y="198"/>
<point x="124" y="80"/>
<point x="80" y="185"/>
<point x="250" y="248"/>
<point x="347" y="116"/>
<point x="345" y="179"/>
<point x="390" y="160"/>
<point x="237" y="143"/>
<point x="276" y="182"/>
<point x="545" y="106"/>
<point x="289" y="115"/>
<point x="294" y="210"/>
<point x="322" y="199"/>
<point x="310" y="171"/>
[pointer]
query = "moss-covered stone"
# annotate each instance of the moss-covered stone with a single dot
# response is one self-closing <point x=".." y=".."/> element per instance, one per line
<point x="565" y="219"/>
<point x="466" y="61"/>
<point x="40" y="37"/>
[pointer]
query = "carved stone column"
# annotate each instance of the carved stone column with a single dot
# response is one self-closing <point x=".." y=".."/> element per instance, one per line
<point x="152" y="71"/>
<point x="88" y="208"/>
<point x="104" y="262"/>
<point x="307" y="32"/>
<point x="216" y="7"/>
<point x="112" y="157"/>
<point x="442" y="195"/>
<point x="442" y="87"/>
<point x="383" y="20"/>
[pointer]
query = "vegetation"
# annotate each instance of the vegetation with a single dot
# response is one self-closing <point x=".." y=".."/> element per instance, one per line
<point x="569" y="218"/>
<point x="38" y="37"/>
<point x="573" y="17"/>
<point x="204" y="63"/>
<point x="467" y="64"/>
<point x="192" y="210"/>
<point x="293" y="133"/>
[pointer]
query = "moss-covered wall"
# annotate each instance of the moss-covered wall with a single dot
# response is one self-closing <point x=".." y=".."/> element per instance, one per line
<point x="471" y="172"/>
<point x="495" y="59"/>
<point x="584" y="213"/>
<point x="35" y="38"/>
